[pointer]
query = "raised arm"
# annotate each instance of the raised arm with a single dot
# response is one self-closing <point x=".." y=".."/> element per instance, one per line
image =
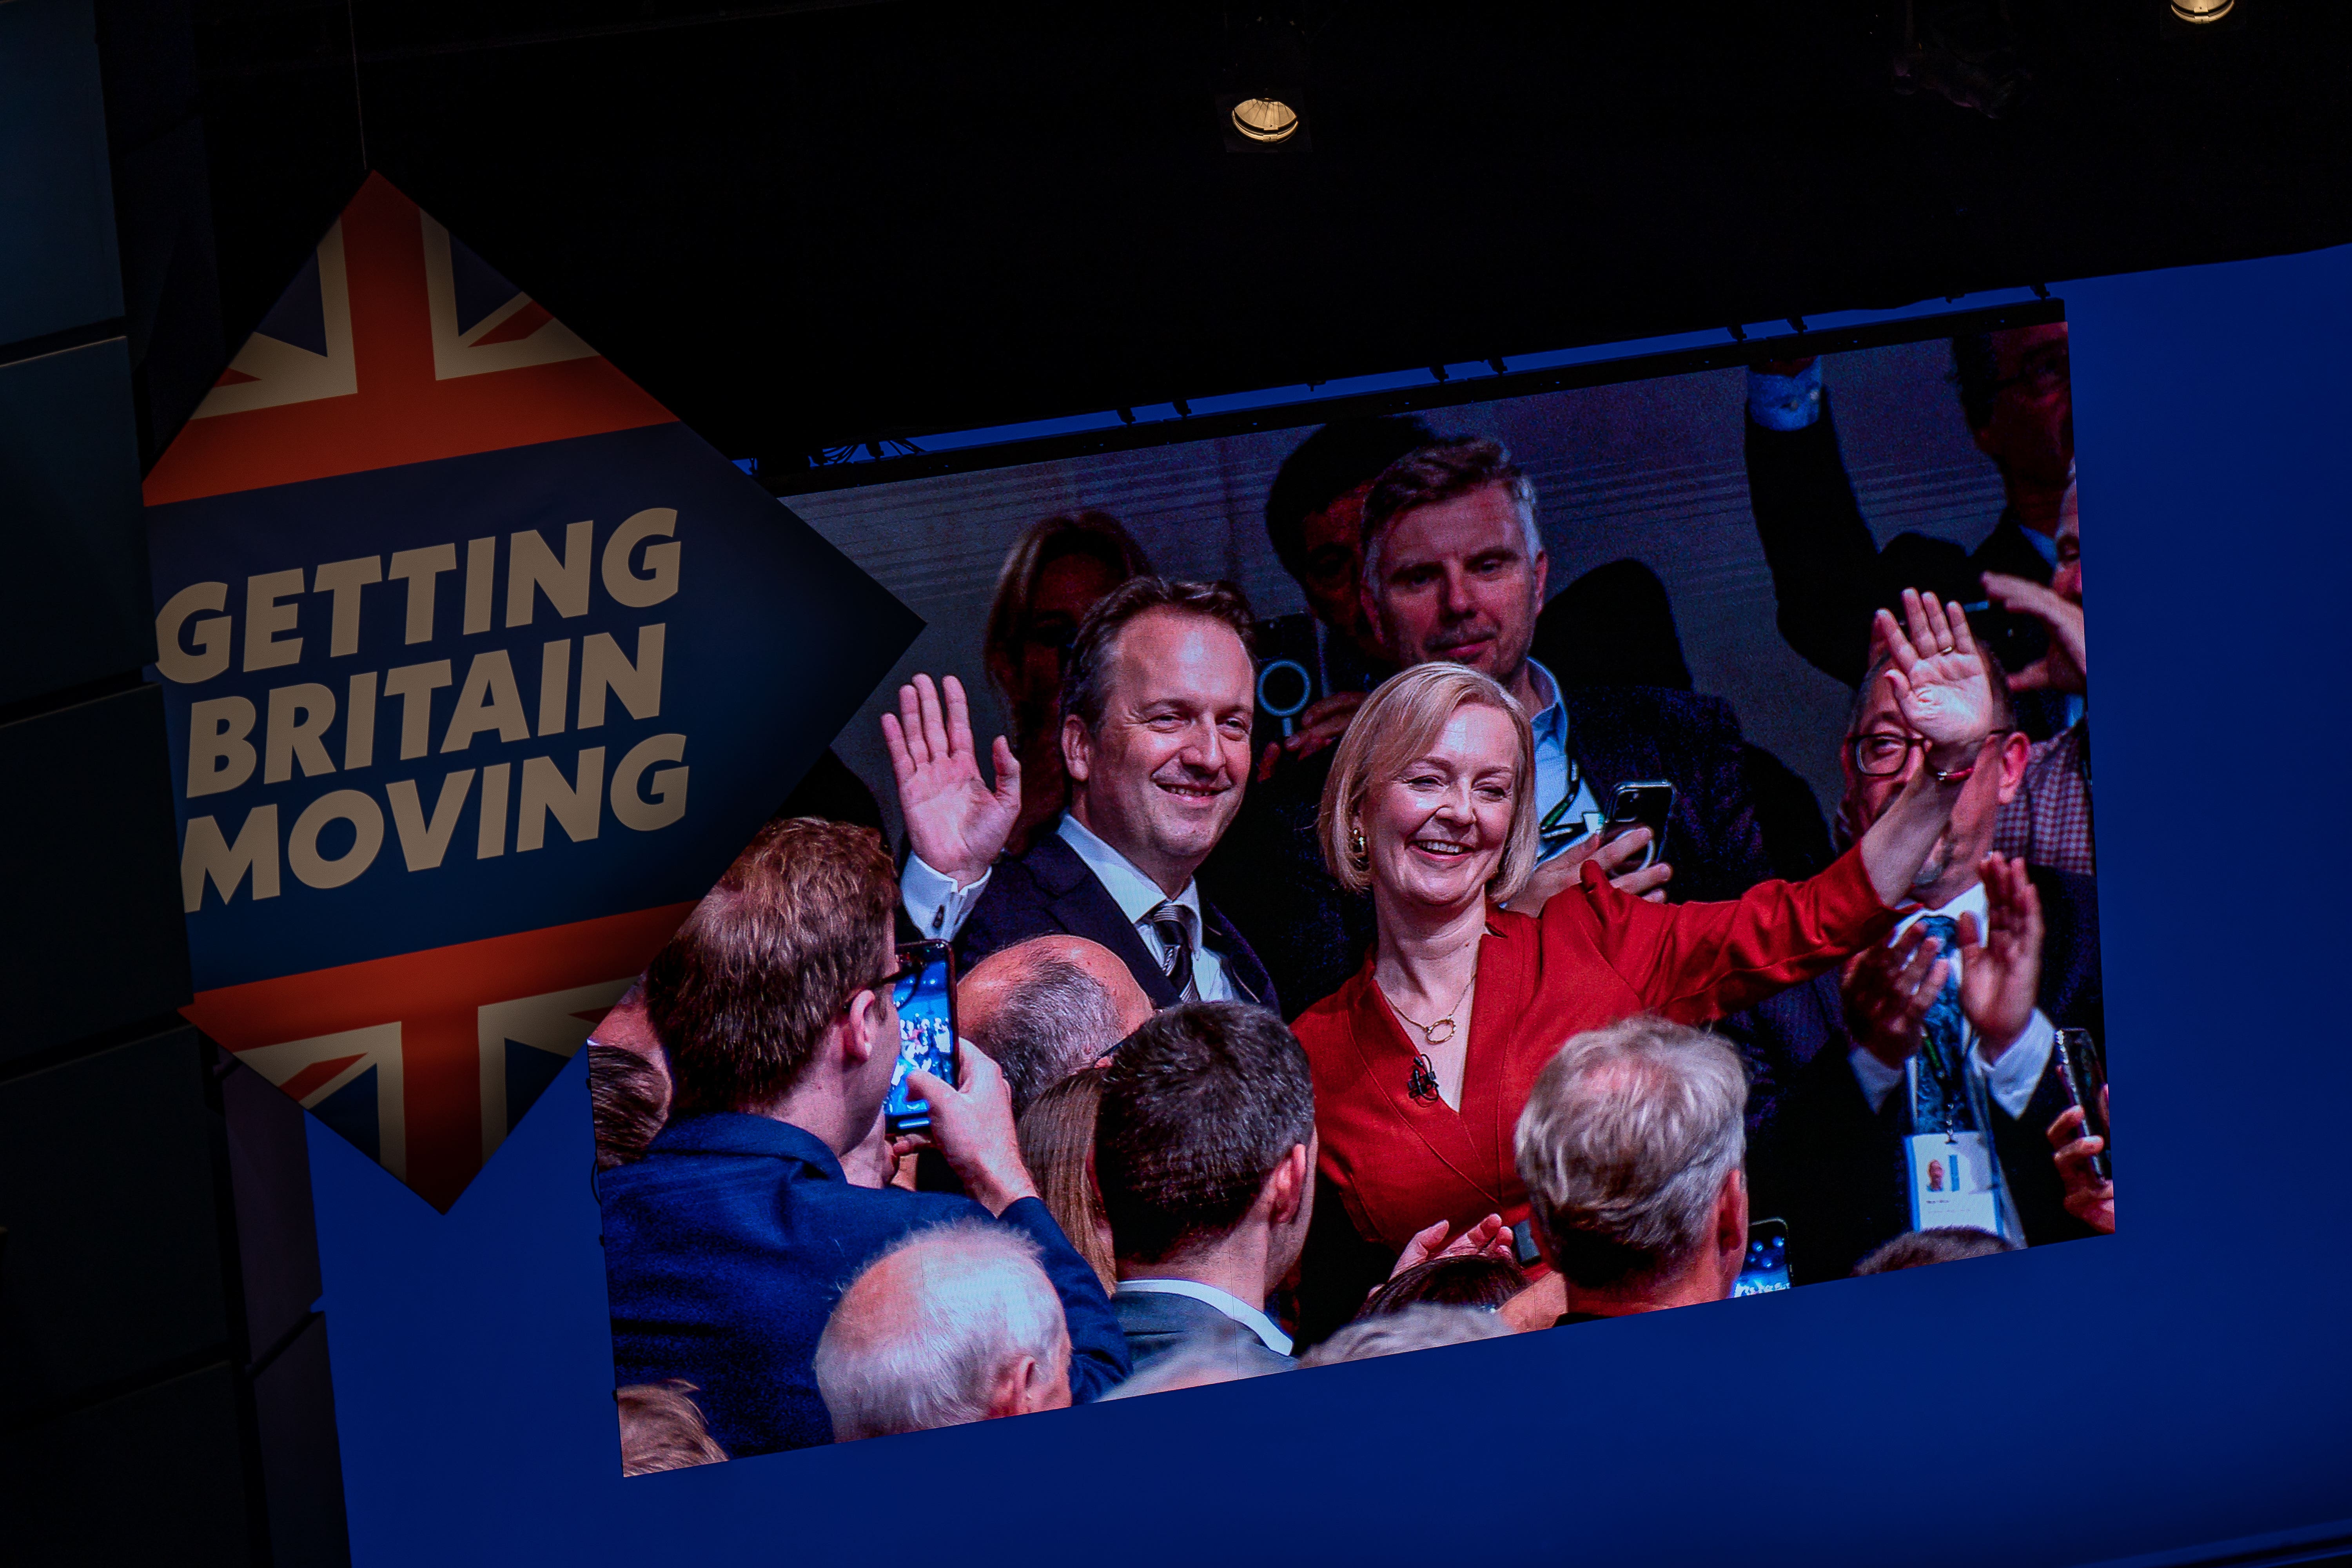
<point x="1940" y="684"/>
<point x="1696" y="961"/>
<point x="955" y="822"/>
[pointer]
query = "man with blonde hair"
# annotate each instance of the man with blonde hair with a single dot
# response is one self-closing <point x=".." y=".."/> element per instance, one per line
<point x="1632" y="1146"/>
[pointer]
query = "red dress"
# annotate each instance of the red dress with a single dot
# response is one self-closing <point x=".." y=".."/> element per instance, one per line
<point x="1593" y="956"/>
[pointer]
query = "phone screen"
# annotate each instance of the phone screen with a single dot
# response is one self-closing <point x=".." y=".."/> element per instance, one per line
<point x="926" y="1035"/>
<point x="1767" y="1268"/>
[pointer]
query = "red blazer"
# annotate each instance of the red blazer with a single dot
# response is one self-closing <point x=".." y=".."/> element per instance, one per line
<point x="1594" y="956"/>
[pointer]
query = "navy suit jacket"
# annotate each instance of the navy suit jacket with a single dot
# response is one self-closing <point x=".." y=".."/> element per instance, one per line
<point x="1313" y="935"/>
<point x="727" y="1245"/>
<point x="1822" y="1159"/>
<point x="1158" y="1324"/>
<point x="1049" y="891"/>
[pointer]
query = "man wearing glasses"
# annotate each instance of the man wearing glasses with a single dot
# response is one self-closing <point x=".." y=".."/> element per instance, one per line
<point x="728" y="1244"/>
<point x="1994" y="956"/>
<point x="1829" y="573"/>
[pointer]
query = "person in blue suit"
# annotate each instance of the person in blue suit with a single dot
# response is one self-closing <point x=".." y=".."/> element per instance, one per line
<point x="727" y="1245"/>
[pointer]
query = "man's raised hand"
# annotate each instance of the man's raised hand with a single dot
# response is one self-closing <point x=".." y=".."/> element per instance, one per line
<point x="2000" y="975"/>
<point x="955" y="822"/>
<point x="1938" y="678"/>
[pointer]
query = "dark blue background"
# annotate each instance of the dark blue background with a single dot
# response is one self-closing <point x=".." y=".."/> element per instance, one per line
<point x="757" y="693"/>
<point x="2184" y="1382"/>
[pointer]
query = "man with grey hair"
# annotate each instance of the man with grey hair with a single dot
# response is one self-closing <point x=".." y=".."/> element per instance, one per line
<point x="1632" y="1146"/>
<point x="1047" y="1007"/>
<point x="957" y="1323"/>
<point x="1455" y="569"/>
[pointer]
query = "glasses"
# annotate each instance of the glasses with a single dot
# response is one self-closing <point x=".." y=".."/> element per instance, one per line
<point x="899" y="983"/>
<point x="1883" y="753"/>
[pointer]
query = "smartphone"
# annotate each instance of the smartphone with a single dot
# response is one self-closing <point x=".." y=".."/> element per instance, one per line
<point x="1290" y="676"/>
<point x="926" y="1033"/>
<point x="2017" y="640"/>
<point x="1767" y="1268"/>
<point x="2082" y="1069"/>
<point x="1645" y="803"/>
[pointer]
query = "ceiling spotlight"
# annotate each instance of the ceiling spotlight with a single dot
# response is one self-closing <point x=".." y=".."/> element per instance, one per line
<point x="1269" y="120"/>
<point x="2201" y="10"/>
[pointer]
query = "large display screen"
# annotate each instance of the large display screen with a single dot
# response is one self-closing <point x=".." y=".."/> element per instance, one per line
<point x="1447" y="871"/>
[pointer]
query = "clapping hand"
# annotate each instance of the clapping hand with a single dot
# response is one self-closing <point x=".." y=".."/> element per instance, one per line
<point x="1888" y="991"/>
<point x="2000" y="974"/>
<point x="954" y="821"/>
<point x="1938" y="678"/>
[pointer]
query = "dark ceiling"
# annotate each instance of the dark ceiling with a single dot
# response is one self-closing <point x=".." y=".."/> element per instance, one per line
<point x="805" y="225"/>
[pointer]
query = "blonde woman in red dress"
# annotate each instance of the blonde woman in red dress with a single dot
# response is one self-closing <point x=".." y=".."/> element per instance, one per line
<point x="1423" y="1060"/>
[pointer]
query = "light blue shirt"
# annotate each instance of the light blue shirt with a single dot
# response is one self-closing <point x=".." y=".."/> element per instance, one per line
<point x="1557" y="777"/>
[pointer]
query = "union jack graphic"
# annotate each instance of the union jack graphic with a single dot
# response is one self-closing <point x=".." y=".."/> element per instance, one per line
<point x="397" y="344"/>
<point x="425" y="1061"/>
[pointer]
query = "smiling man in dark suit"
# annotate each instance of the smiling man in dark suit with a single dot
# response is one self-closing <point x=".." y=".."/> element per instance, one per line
<point x="1157" y="702"/>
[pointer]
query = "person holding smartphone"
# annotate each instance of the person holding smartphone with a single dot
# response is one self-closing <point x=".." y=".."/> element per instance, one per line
<point x="1455" y="572"/>
<point x="727" y="1245"/>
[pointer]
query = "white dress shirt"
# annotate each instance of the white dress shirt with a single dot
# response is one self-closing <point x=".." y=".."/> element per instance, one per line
<point x="2008" y="1081"/>
<point x="1231" y="1306"/>
<point x="938" y="907"/>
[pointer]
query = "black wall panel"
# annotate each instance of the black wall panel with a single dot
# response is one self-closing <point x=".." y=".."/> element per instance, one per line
<point x="153" y="1477"/>
<point x="76" y="541"/>
<point x="92" y="933"/>
<point x="57" y="266"/>
<point x="115" y="1256"/>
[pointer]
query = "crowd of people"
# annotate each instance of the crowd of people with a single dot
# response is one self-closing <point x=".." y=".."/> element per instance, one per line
<point x="1371" y="1034"/>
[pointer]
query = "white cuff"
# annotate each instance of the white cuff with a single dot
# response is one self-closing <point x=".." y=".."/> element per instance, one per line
<point x="933" y="901"/>
<point x="2010" y="1080"/>
<point x="1877" y="1079"/>
<point x="1785" y="402"/>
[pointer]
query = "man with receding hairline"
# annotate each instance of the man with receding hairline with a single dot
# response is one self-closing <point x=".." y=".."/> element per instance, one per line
<point x="955" y="1323"/>
<point x="1046" y="1008"/>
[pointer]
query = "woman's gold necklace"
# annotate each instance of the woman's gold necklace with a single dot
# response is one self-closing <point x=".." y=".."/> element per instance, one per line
<point x="1420" y="1083"/>
<point x="1431" y="1032"/>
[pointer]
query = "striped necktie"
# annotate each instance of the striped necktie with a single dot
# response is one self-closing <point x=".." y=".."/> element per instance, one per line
<point x="1171" y="923"/>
